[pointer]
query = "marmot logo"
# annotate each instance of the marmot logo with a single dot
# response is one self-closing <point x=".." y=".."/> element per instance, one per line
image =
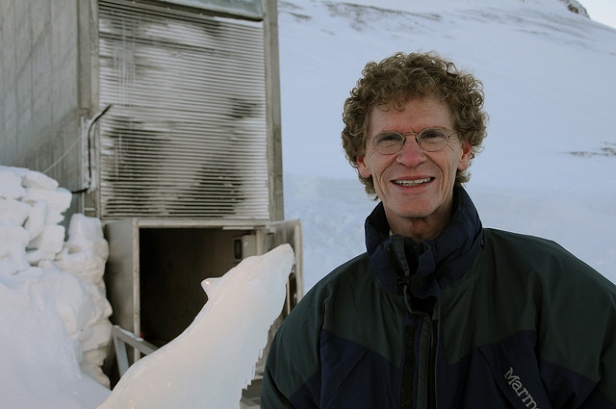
<point x="520" y="390"/>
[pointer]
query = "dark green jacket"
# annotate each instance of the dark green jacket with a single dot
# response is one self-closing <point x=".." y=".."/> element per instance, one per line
<point x="478" y="318"/>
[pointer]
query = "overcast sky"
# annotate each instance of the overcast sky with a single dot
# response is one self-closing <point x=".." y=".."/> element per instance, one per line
<point x="603" y="11"/>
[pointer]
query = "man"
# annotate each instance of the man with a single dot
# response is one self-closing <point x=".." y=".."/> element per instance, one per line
<point x="440" y="312"/>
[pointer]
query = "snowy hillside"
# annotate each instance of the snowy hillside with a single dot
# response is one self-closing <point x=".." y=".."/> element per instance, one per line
<point x="549" y="164"/>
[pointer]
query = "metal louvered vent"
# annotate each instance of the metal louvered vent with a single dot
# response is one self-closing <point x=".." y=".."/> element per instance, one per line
<point x="186" y="137"/>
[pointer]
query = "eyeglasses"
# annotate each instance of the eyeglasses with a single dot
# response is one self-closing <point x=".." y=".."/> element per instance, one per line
<point x="429" y="139"/>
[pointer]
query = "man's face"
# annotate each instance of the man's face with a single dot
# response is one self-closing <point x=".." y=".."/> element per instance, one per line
<point x="415" y="186"/>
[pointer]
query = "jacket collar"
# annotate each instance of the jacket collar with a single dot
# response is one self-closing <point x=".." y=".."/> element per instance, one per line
<point x="431" y="264"/>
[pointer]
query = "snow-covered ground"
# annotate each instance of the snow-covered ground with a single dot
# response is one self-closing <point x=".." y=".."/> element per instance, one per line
<point x="549" y="165"/>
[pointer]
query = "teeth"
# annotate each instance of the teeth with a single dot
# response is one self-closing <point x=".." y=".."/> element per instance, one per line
<point x="412" y="182"/>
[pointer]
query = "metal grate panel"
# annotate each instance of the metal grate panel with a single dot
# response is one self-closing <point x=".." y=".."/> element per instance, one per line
<point x="186" y="137"/>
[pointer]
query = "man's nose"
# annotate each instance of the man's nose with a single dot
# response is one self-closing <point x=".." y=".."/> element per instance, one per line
<point x="411" y="153"/>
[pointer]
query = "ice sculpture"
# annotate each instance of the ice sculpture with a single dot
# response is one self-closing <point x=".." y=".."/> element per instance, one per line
<point x="209" y="364"/>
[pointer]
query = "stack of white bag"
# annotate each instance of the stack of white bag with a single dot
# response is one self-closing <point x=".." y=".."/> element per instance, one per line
<point x="36" y="261"/>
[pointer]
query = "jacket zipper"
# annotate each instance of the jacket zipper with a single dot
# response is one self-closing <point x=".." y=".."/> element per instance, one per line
<point x="408" y="369"/>
<point x="425" y="309"/>
<point x="432" y="401"/>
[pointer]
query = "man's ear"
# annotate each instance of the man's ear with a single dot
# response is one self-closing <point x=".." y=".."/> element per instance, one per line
<point x="364" y="170"/>
<point x="466" y="156"/>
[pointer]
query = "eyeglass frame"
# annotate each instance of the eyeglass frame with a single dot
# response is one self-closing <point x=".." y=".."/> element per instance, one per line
<point x="418" y="139"/>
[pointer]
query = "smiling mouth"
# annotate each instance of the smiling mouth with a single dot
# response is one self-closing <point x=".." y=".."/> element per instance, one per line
<point x="415" y="182"/>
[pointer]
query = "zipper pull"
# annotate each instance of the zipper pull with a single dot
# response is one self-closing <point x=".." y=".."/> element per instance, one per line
<point x="411" y="281"/>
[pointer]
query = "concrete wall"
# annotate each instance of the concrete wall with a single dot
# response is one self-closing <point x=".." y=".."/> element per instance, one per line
<point x="44" y="85"/>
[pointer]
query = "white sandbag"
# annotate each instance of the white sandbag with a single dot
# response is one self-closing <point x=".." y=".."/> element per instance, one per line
<point x="76" y="310"/>
<point x="38" y="180"/>
<point x="87" y="265"/>
<point x="13" y="212"/>
<point x="54" y="217"/>
<point x="22" y="277"/>
<point x="51" y="239"/>
<point x="10" y="183"/>
<point x="100" y="336"/>
<point x="12" y="261"/>
<point x="86" y="233"/>
<point x="91" y="364"/>
<point x="36" y="219"/>
<point x="81" y="334"/>
<point x="100" y="304"/>
<point x="58" y="199"/>
<point x="34" y="257"/>
<point x="13" y="236"/>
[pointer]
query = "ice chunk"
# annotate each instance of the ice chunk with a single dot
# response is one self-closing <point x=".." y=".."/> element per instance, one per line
<point x="85" y="233"/>
<point x="88" y="265"/>
<point x="13" y="236"/>
<point x="76" y="310"/>
<point x="58" y="199"/>
<point x="10" y="183"/>
<point x="13" y="212"/>
<point x="13" y="240"/>
<point x="17" y="279"/>
<point x="209" y="364"/>
<point x="12" y="260"/>
<point x="54" y="216"/>
<point x="36" y="256"/>
<point x="51" y="239"/>
<point x="36" y="218"/>
<point x="38" y="180"/>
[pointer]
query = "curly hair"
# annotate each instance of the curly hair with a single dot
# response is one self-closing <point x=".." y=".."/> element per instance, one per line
<point x="403" y="77"/>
